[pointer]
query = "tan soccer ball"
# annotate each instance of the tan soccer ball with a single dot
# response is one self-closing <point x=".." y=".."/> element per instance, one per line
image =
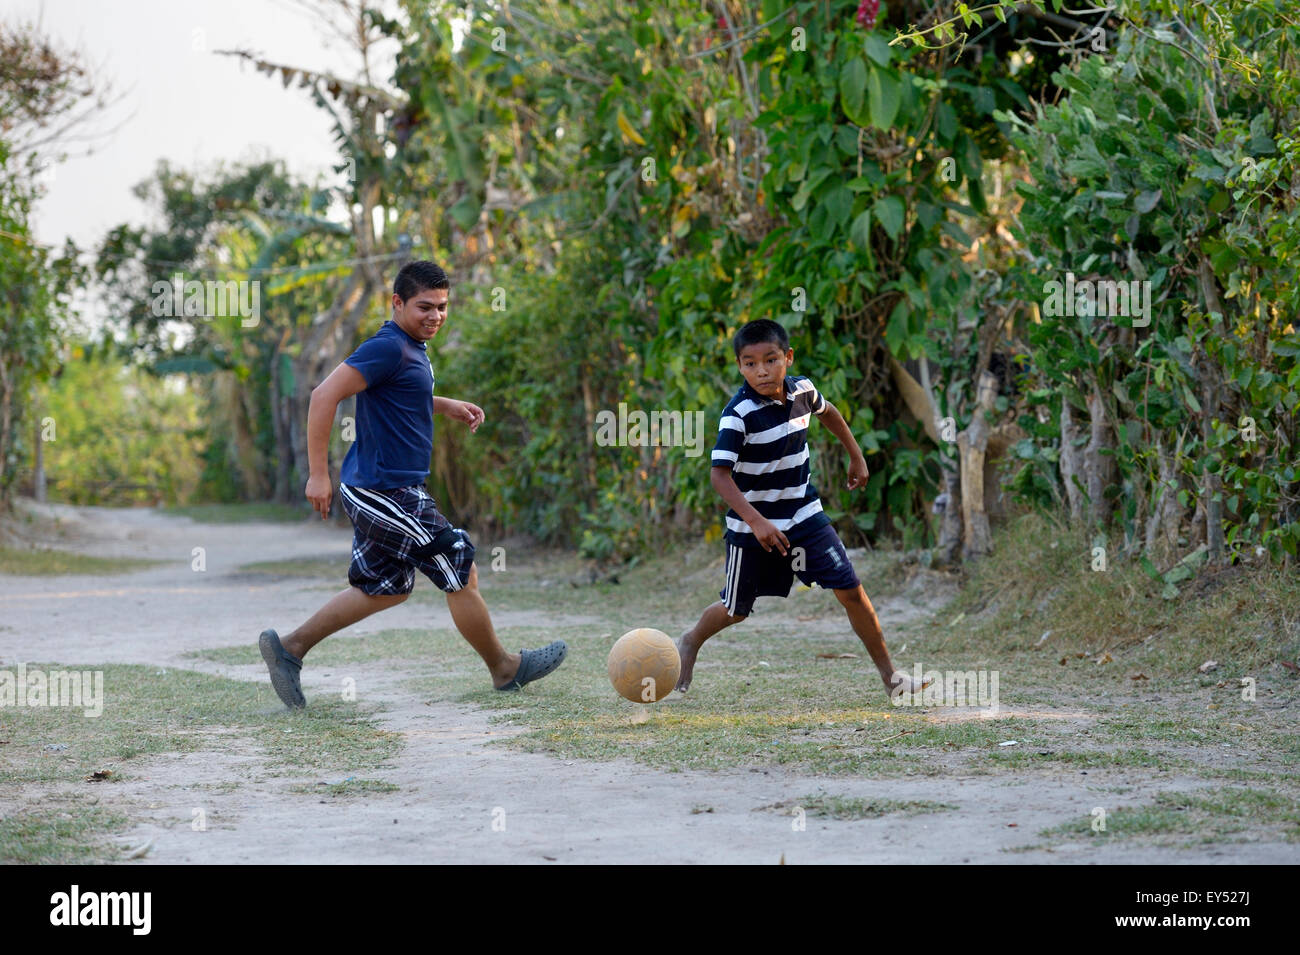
<point x="644" y="665"/>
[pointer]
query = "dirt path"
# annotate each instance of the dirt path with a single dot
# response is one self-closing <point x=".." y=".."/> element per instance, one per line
<point x="459" y="798"/>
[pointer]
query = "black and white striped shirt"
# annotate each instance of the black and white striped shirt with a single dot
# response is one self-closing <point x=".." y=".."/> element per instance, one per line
<point x="765" y="443"/>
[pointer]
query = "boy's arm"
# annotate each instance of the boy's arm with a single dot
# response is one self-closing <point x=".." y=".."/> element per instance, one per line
<point x="766" y="532"/>
<point x="834" y="421"/>
<point x="464" y="411"/>
<point x="343" y="382"/>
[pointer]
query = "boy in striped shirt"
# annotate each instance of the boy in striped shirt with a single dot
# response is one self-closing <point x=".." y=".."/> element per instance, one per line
<point x="776" y="527"/>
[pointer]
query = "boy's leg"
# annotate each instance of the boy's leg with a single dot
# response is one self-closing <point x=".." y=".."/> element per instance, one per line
<point x="715" y="617"/>
<point x="454" y="572"/>
<point x="343" y="609"/>
<point x="746" y="571"/>
<point x="827" y="564"/>
<point x="470" y="614"/>
<point x="284" y="657"/>
<point x="862" y="615"/>
<point x="380" y="578"/>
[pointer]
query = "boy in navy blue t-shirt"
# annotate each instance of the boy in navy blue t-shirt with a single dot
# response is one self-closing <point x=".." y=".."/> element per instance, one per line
<point x="397" y="526"/>
<point x="776" y="528"/>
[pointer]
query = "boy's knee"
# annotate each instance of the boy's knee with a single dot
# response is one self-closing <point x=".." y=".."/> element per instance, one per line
<point x="382" y="600"/>
<point x="470" y="586"/>
<point x="857" y="597"/>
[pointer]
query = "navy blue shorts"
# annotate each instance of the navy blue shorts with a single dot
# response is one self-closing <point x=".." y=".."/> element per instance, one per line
<point x="753" y="572"/>
<point x="397" y="532"/>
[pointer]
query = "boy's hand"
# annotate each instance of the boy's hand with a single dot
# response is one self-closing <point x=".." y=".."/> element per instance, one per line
<point x="464" y="411"/>
<point x="769" y="537"/>
<point x="319" y="491"/>
<point x="857" y="474"/>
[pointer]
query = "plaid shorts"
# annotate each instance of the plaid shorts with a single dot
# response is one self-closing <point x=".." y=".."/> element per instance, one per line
<point x="399" y="531"/>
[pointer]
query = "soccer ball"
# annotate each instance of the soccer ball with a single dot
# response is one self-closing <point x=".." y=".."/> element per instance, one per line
<point x="644" y="665"/>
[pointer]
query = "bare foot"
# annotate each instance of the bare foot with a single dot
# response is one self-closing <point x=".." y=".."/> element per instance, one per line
<point x="686" y="649"/>
<point x="903" y="684"/>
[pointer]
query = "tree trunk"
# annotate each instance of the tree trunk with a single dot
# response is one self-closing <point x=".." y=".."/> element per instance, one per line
<point x="1211" y="390"/>
<point x="1162" y="526"/>
<point x="950" y="526"/>
<point x="1099" y="466"/>
<point x="6" y="426"/>
<point x="284" y="491"/>
<point x="972" y="444"/>
<point x="38" y="478"/>
<point x="1071" y="460"/>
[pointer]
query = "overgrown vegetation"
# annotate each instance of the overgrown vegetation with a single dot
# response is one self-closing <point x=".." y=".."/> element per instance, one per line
<point x="616" y="188"/>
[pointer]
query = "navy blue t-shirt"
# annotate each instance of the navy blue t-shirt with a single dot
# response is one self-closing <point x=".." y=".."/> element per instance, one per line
<point x="394" y="412"/>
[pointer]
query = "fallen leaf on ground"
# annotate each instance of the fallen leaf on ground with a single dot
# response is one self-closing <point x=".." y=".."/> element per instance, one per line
<point x="99" y="775"/>
<point x="139" y="852"/>
<point x="1139" y="676"/>
<point x="1289" y="665"/>
<point x="1105" y="658"/>
<point x="1010" y="742"/>
<point x="1207" y="666"/>
<point x="837" y="656"/>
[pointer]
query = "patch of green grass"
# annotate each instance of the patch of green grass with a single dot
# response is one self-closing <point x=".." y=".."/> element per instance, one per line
<point x="330" y="734"/>
<point x="347" y="787"/>
<point x="1128" y="758"/>
<point x="851" y="807"/>
<point x="61" y="834"/>
<point x="761" y="697"/>
<point x="325" y="568"/>
<point x="1040" y="578"/>
<point x="1203" y="815"/>
<point x="147" y="712"/>
<point x="44" y="563"/>
<point x="242" y="513"/>
<point x="144" y="711"/>
<point x="394" y="645"/>
<point x="1249" y="775"/>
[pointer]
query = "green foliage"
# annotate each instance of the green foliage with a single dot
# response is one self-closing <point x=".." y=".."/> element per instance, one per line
<point x="34" y="289"/>
<point x="138" y="441"/>
<point x="1162" y="167"/>
<point x="249" y="223"/>
<point x="850" y="239"/>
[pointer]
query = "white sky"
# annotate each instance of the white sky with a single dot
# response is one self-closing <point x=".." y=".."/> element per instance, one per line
<point x="185" y="104"/>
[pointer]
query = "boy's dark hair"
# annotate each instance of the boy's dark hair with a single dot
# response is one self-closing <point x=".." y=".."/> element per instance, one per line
<point x="416" y="277"/>
<point x="759" y="331"/>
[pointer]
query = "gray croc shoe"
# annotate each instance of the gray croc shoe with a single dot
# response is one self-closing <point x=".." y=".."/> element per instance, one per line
<point x="284" y="667"/>
<point x="535" y="664"/>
